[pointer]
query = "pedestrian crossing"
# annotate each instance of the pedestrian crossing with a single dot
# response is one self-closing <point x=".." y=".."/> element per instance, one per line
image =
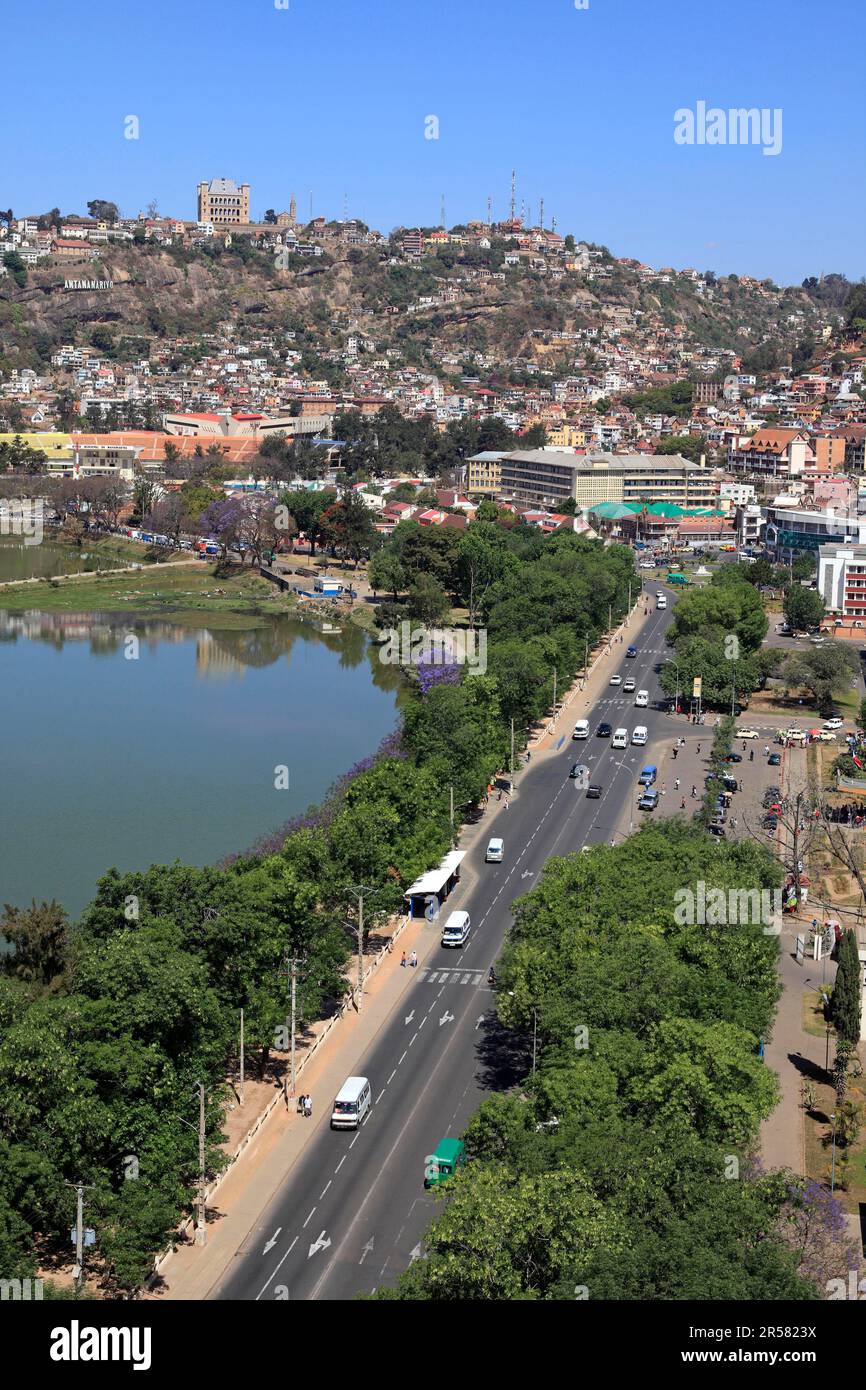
<point x="451" y="977"/>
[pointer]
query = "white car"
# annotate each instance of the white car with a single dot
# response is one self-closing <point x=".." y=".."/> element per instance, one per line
<point x="641" y="699"/>
<point x="746" y="733"/>
<point x="827" y="736"/>
<point x="628" y="684"/>
<point x="616" y="680"/>
<point x="833" y="723"/>
<point x="648" y="565"/>
<point x="620" y="739"/>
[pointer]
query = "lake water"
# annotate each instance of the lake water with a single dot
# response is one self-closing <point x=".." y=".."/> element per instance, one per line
<point x="19" y="561"/>
<point x="126" y="744"/>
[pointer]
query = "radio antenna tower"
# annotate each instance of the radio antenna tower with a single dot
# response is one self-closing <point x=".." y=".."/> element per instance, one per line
<point x="541" y="214"/>
<point x="513" y="186"/>
<point x="489" y="211"/>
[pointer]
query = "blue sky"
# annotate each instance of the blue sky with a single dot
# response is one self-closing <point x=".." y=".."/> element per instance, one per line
<point x="331" y="96"/>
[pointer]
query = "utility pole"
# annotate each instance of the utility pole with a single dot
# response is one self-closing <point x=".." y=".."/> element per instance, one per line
<point x="451" y="810"/>
<point x="554" y="694"/>
<point x="241" y="1089"/>
<point x="362" y="892"/>
<point x="200" y="1223"/>
<point x="78" y="1272"/>
<point x="511" y="765"/>
<point x="293" y="990"/>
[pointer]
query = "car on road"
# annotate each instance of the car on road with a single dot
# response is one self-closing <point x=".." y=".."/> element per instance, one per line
<point x="604" y="730"/>
<point x="353" y="1100"/>
<point x="770" y="822"/>
<point x="718" y="831"/>
<point x="620" y="739"/>
<point x="581" y="729"/>
<point x="444" y="1161"/>
<point x="774" y="760"/>
<point x="648" y="801"/>
<point x="616" y="680"/>
<point x="632" y="651"/>
<point x="495" y="851"/>
<point x="647" y="565"/>
<point x="640" y="735"/>
<point x="457" y="928"/>
<point x="746" y="733"/>
<point x="641" y="699"/>
<point x="593" y="791"/>
<point x="628" y="684"/>
<point x="734" y="758"/>
<point x="826" y="736"/>
<point x="579" y="770"/>
<point x="833" y="724"/>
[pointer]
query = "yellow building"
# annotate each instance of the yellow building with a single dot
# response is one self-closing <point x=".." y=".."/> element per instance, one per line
<point x="55" y="444"/>
<point x="484" y="472"/>
<point x="565" y="436"/>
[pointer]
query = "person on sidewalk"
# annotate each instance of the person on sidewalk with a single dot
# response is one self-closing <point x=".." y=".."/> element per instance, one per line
<point x="751" y="755"/>
<point x="683" y="804"/>
<point x="308" y="1107"/>
<point x="694" y="791"/>
<point x="403" y="959"/>
<point x="698" y="750"/>
<point x="413" y="959"/>
<point x="676" y="784"/>
<point x="301" y="1099"/>
<point x="674" y="753"/>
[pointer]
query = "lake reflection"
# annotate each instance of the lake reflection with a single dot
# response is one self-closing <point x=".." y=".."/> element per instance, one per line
<point x="129" y="742"/>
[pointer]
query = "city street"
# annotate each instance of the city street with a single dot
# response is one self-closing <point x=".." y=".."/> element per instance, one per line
<point x="352" y="1212"/>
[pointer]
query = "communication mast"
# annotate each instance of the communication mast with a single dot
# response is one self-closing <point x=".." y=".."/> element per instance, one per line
<point x="513" y="188"/>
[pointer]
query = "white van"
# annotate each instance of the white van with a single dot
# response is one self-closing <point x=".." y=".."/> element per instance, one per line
<point x="581" y="729"/>
<point x="640" y="735"/>
<point x="494" y="851"/>
<point x="620" y="739"/>
<point x="456" y="930"/>
<point x="352" y="1103"/>
<point x="661" y="601"/>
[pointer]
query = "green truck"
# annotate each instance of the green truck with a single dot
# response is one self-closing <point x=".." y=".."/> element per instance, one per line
<point x="444" y="1162"/>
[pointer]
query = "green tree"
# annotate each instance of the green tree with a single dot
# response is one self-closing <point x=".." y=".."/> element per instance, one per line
<point x="804" y="608"/>
<point x="845" y="1000"/>
<point x="428" y="601"/>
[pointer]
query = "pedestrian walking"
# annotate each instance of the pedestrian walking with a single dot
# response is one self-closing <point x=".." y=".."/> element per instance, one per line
<point x="699" y="750"/>
<point x="413" y="959"/>
<point x="694" y="791"/>
<point x="674" y="753"/>
<point x="683" y="804"/>
<point x="403" y="959"/>
<point x="751" y="755"/>
<point x="676" y="784"/>
<point x="766" y="750"/>
<point x="733" y="822"/>
<point x="506" y="803"/>
<point x="308" y="1106"/>
<point x="664" y="788"/>
<point x="301" y="1104"/>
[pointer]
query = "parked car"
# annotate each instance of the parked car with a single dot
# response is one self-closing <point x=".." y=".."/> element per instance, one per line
<point x="649" y="801"/>
<point x="718" y="831"/>
<point x="746" y="733"/>
<point x="734" y="758"/>
<point x="833" y="723"/>
<point x="826" y="736"/>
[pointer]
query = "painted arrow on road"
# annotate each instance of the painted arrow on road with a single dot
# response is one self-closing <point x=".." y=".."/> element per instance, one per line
<point x="528" y="873"/>
<point x="410" y="1017"/>
<point x="479" y="1023"/>
<point x="446" y="1018"/>
<point x="321" y="1244"/>
<point x="416" y="1254"/>
<point x="272" y="1242"/>
<point x="366" y="1251"/>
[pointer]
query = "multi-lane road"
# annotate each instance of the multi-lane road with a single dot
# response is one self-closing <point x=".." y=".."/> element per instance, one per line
<point x="352" y="1213"/>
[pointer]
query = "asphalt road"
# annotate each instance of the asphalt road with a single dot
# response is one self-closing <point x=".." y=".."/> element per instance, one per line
<point x="353" y="1211"/>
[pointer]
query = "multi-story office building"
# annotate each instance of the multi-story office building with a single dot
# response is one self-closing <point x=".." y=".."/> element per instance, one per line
<point x="223" y="204"/>
<point x="548" y="477"/>
<point x="791" y="529"/>
<point x="771" y="454"/>
<point x="842" y="579"/>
